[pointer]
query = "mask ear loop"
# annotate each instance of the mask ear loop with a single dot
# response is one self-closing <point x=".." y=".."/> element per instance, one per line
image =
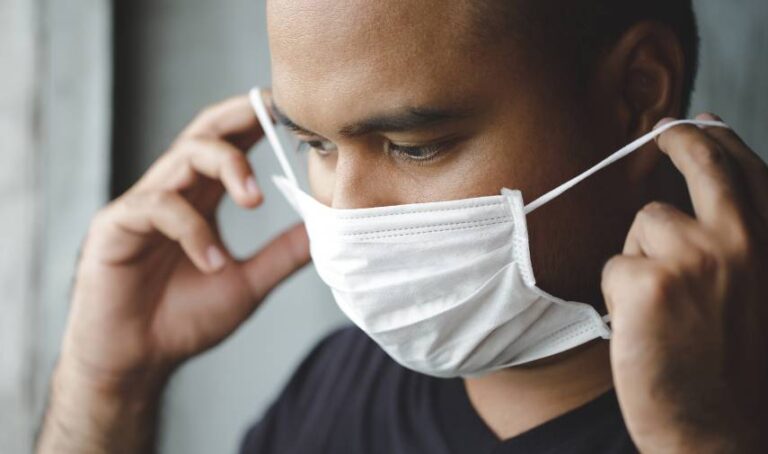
<point x="635" y="145"/>
<point x="269" y="130"/>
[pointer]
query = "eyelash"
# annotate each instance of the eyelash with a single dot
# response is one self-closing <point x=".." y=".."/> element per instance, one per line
<point x="316" y="145"/>
<point x="433" y="151"/>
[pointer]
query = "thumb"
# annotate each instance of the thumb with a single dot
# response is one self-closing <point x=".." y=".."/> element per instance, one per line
<point x="279" y="259"/>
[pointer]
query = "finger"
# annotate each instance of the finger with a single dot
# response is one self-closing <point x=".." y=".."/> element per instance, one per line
<point x="225" y="127"/>
<point x="705" y="167"/>
<point x="640" y="292"/>
<point x="277" y="260"/>
<point x="232" y="119"/>
<point x="753" y="168"/>
<point x="173" y="216"/>
<point x="180" y="168"/>
<point x="620" y="278"/>
<point x="221" y="161"/>
<point x="661" y="231"/>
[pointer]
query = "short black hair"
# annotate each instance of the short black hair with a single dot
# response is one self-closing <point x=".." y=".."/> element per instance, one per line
<point x="577" y="33"/>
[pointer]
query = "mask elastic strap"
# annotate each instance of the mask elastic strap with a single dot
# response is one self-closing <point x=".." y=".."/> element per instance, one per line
<point x="637" y="144"/>
<point x="269" y="130"/>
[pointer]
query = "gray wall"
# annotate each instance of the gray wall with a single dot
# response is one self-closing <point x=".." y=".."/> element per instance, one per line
<point x="54" y="128"/>
<point x="733" y="81"/>
<point x="19" y="218"/>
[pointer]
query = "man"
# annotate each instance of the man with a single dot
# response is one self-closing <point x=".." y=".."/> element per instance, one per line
<point x="412" y="102"/>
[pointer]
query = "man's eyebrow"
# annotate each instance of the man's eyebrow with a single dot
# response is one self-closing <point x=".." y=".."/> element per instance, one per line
<point x="409" y="119"/>
<point x="283" y="119"/>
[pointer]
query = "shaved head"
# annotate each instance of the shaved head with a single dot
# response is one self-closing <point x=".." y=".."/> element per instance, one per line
<point x="571" y="35"/>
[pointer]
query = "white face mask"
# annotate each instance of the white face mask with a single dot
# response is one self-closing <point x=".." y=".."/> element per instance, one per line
<point x="445" y="288"/>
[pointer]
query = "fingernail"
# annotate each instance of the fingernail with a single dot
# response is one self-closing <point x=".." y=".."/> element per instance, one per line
<point x="250" y="186"/>
<point x="707" y="116"/>
<point x="215" y="258"/>
<point x="663" y="121"/>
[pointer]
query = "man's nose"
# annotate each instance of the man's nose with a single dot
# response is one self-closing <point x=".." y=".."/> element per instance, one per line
<point x="361" y="181"/>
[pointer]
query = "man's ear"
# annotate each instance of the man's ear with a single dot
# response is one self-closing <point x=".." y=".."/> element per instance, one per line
<point x="654" y="70"/>
<point x="646" y="69"/>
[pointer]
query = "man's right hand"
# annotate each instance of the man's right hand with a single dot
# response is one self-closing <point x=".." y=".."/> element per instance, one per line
<point x="154" y="284"/>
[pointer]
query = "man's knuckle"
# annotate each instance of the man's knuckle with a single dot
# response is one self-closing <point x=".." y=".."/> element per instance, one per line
<point x="698" y="264"/>
<point x="655" y="210"/>
<point x="206" y="114"/>
<point x="656" y="206"/>
<point x="743" y="236"/>
<point x="722" y="195"/>
<point x="641" y="216"/>
<point x="705" y="154"/>
<point x="160" y="199"/>
<point x="232" y="158"/>
<point x="101" y="218"/>
<point x="183" y="146"/>
<point x="609" y="264"/>
<point x="653" y="213"/>
<point x="608" y="275"/>
<point x="192" y="228"/>
<point x="130" y="201"/>
<point x="658" y="285"/>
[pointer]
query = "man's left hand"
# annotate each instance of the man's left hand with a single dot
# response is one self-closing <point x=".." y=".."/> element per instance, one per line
<point x="689" y="304"/>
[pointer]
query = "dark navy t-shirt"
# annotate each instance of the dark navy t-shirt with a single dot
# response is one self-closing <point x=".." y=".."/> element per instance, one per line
<point x="349" y="397"/>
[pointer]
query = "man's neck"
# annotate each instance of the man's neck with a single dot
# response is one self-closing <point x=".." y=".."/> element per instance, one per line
<point x="514" y="400"/>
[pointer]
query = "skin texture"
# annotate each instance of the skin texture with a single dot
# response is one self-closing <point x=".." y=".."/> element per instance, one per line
<point x="686" y="287"/>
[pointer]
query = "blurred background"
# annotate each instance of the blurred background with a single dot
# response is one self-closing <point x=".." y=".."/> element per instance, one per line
<point x="93" y="91"/>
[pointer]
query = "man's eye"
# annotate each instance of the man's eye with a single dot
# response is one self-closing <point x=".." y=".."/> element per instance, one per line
<point x="416" y="153"/>
<point x="322" y="147"/>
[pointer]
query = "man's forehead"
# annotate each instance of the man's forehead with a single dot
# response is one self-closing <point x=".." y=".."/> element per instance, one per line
<point x="367" y="9"/>
<point x="336" y="63"/>
<point x="391" y="25"/>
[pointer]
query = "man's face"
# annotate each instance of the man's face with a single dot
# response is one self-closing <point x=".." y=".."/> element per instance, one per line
<point x="409" y="104"/>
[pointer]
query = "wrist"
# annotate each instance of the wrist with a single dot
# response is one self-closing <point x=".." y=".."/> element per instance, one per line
<point x="140" y="385"/>
<point x="98" y="414"/>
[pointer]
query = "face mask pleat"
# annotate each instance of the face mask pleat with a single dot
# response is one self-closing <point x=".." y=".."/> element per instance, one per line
<point x="399" y="294"/>
<point x="399" y="220"/>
